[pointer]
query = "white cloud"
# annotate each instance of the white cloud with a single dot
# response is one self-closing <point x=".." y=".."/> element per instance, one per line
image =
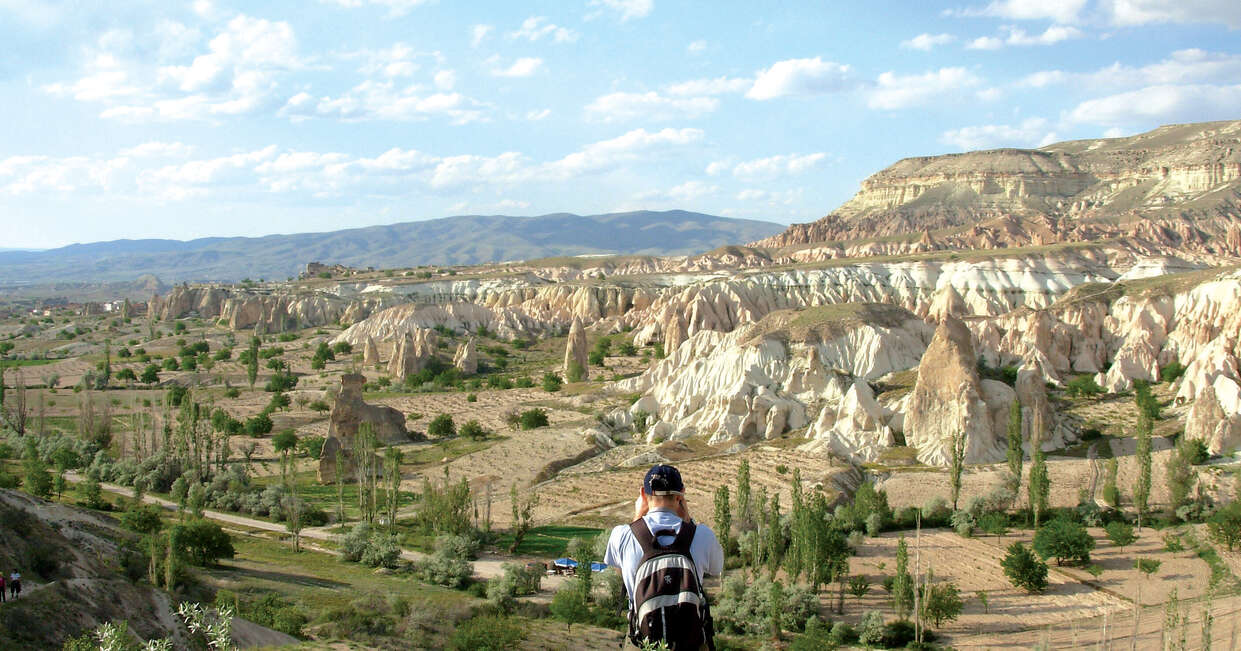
<point x="608" y="153"/>
<point x="445" y="79"/>
<point x="623" y="107"/>
<point x="535" y="28"/>
<point x="398" y="60"/>
<point x="706" y="87"/>
<point x="1061" y="11"/>
<point x="627" y="9"/>
<point x="771" y="167"/>
<point x="689" y="191"/>
<point x="1030" y="133"/>
<point x="1182" y="66"/>
<point x="535" y="116"/>
<point x="1162" y="104"/>
<point x="895" y="91"/>
<point x="385" y="100"/>
<point x="927" y="42"/>
<point x="479" y="33"/>
<point x="800" y="77"/>
<point x="1143" y="12"/>
<point x="1019" y="37"/>
<point x="157" y="149"/>
<point x="1043" y="79"/>
<point x="523" y="67"/>
<point x="696" y="47"/>
<point x="395" y="7"/>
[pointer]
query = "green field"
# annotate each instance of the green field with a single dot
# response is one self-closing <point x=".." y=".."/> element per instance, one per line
<point x="550" y="541"/>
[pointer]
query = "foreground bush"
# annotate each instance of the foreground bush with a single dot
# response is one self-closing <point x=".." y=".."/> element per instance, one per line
<point x="487" y="634"/>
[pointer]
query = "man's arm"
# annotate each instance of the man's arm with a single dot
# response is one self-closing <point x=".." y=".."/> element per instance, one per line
<point x="715" y="554"/>
<point x="611" y="557"/>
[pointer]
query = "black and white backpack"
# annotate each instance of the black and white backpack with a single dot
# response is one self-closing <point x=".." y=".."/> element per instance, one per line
<point x="668" y="603"/>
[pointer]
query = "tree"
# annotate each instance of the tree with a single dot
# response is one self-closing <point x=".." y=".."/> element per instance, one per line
<point x="197" y="498"/>
<point x="180" y="493"/>
<point x="150" y="374"/>
<point x="1142" y="486"/>
<point x="252" y="362"/>
<point x="743" y="493"/>
<point x="38" y="481"/>
<point x="1064" y="540"/>
<point x="571" y="605"/>
<point x="1111" y="494"/>
<point x="127" y="374"/>
<point x="775" y="608"/>
<point x="858" y="586"/>
<point x="284" y="443"/>
<point x="1224" y="526"/>
<point x="1024" y="569"/>
<point x="902" y="584"/>
<point x="442" y="426"/>
<point x="723" y="517"/>
<point x="1120" y="533"/>
<point x="523" y="515"/>
<point x="1040" y="485"/>
<point x="90" y="492"/>
<point x="957" y="467"/>
<point x="1015" y="453"/>
<point x="942" y="602"/>
<point x="474" y="431"/>
<point x="993" y="524"/>
<point x="203" y="541"/>
<point x="1180" y="474"/>
<point x="393" y="458"/>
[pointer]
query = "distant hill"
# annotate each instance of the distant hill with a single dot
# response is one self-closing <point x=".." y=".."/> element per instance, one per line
<point x="451" y="240"/>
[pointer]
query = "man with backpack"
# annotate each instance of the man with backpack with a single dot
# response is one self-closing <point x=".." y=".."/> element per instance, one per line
<point x="663" y="556"/>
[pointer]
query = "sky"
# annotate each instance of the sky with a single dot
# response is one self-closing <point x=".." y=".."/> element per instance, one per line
<point x="170" y="119"/>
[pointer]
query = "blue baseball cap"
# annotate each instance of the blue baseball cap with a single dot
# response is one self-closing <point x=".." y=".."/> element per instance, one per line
<point x="663" y="480"/>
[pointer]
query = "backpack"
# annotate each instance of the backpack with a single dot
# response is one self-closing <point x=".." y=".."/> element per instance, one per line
<point x="668" y="600"/>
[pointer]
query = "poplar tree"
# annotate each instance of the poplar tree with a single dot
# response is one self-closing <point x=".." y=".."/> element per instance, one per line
<point x="1015" y="454"/>
<point x="1040" y="485"/>
<point x="1142" y="486"/>
<point x="743" y="492"/>
<point x="903" y="583"/>
<point x="252" y="363"/>
<point x="723" y="517"/>
<point x="958" y="467"/>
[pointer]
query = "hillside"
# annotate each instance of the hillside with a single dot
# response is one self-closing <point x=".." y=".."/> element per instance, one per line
<point x="1177" y="185"/>
<point x="451" y="240"/>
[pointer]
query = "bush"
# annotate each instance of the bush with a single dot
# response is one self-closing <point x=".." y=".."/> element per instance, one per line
<point x="1120" y="533"/>
<point x="258" y="425"/>
<point x="383" y="550"/>
<point x="142" y="518"/>
<point x="533" y="418"/>
<point x="203" y="542"/>
<point x="442" y="426"/>
<point x="551" y="382"/>
<point x="355" y="543"/>
<point x="1064" y="540"/>
<point x="1224" y="526"/>
<point x="1024" y="569"/>
<point x="1084" y="386"/>
<point x="870" y="631"/>
<point x="438" y="569"/>
<point x="487" y="633"/>
<point x="474" y="431"/>
<point x="1196" y="452"/>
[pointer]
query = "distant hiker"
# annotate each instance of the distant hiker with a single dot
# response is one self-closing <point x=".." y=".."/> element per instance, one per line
<point x="15" y="584"/>
<point x="662" y="556"/>
<point x="2" y="592"/>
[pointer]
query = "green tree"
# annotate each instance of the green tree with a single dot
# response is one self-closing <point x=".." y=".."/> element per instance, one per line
<point x="442" y="426"/>
<point x="902" y="583"/>
<point x="744" y="503"/>
<point x="1142" y="486"/>
<point x="551" y="382"/>
<point x="942" y="602"/>
<point x="1180" y="474"/>
<point x="150" y="374"/>
<point x="252" y="362"/>
<point x="533" y="418"/>
<point x="1023" y="569"/>
<point x="1224" y="526"/>
<point x="1064" y="540"/>
<point x="1120" y="533"/>
<point x="571" y="604"/>
<point x="1040" y="485"/>
<point x="957" y="467"/>
<point x="723" y="517"/>
<point x="523" y="516"/>
<point x="474" y="431"/>
<point x="90" y="492"/>
<point x="858" y="586"/>
<point x="1015" y="453"/>
<point x="180" y="493"/>
<point x="203" y="542"/>
<point x="775" y="608"/>
<point x="1111" y="494"/>
<point x="38" y="481"/>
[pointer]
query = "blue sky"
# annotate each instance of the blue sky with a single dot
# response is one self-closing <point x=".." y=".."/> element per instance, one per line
<point x="205" y="118"/>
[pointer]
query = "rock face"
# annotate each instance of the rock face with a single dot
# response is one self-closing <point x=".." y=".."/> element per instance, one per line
<point x="949" y="400"/>
<point x="1063" y="192"/>
<point x="1215" y="417"/>
<point x="466" y="359"/>
<point x="779" y="374"/>
<point x="412" y="353"/>
<point x="370" y="353"/>
<point x="348" y="414"/>
<point x="575" y="349"/>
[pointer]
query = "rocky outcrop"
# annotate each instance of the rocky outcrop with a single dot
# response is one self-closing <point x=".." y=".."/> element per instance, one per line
<point x="413" y="350"/>
<point x="950" y="400"/>
<point x="778" y="374"/>
<point x="1181" y="180"/>
<point x="370" y="352"/>
<point x="466" y="358"/>
<point x="349" y="413"/>
<point x="263" y="312"/>
<point x="575" y="351"/>
<point x="1215" y="416"/>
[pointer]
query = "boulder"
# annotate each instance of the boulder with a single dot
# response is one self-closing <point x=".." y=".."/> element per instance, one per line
<point x="348" y="414"/>
<point x="949" y="400"/>
<point x="466" y="359"/>
<point x="575" y="348"/>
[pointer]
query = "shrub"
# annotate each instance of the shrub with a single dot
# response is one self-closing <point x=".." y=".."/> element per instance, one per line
<point x="383" y="550"/>
<point x="1084" y="386"/>
<point x="142" y="518"/>
<point x="551" y="382"/>
<point x="442" y="426"/>
<point x="355" y="543"/>
<point x="1120" y="533"/>
<point x="473" y="397"/>
<point x="474" y="431"/>
<point x="258" y="425"/>
<point x="487" y="633"/>
<point x="870" y="631"/>
<point x="1024" y="569"/>
<point x="1224" y="526"/>
<point x="1064" y="540"/>
<point x="203" y="542"/>
<point x="575" y="372"/>
<point x="533" y="418"/>
<point x="1196" y="452"/>
<point x="438" y="569"/>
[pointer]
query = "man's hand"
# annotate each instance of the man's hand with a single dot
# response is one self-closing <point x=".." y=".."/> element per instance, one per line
<point x="683" y="509"/>
<point x="640" y="507"/>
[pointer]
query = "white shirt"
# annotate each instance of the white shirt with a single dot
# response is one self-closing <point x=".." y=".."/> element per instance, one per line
<point x="625" y="552"/>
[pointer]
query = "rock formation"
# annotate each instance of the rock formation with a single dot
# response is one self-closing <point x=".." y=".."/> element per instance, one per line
<point x="950" y="400"/>
<point x="413" y="350"/>
<point x="575" y="349"/>
<point x="466" y="359"/>
<point x="349" y="412"/>
<point x="1215" y="417"/>
<point x="370" y="353"/>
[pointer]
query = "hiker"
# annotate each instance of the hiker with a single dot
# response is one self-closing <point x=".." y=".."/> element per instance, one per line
<point x="15" y="584"/>
<point x="662" y="556"/>
<point x="2" y="592"/>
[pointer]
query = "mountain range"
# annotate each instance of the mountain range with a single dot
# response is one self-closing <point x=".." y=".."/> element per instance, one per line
<point x="451" y="240"/>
